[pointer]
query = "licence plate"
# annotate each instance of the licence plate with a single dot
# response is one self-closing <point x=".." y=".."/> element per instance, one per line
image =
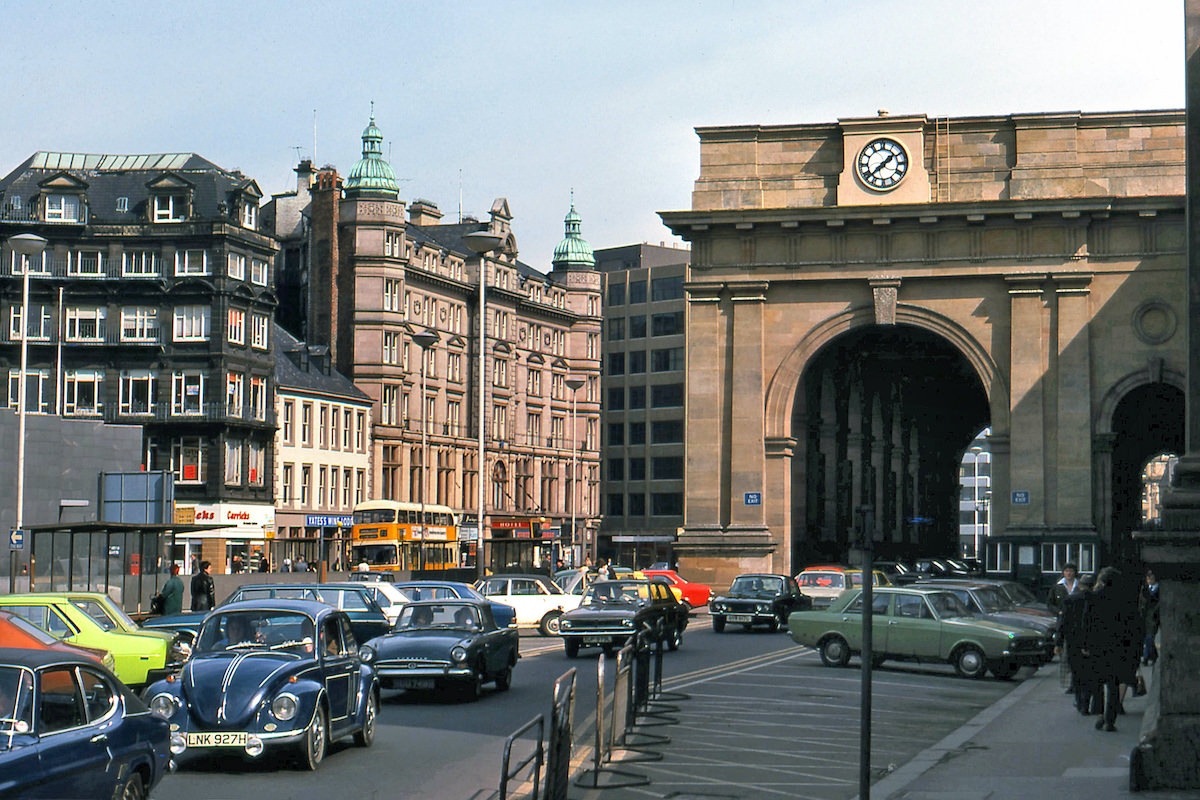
<point x="597" y="640"/>
<point x="740" y="617"/>
<point x="232" y="739"/>
<point x="416" y="683"/>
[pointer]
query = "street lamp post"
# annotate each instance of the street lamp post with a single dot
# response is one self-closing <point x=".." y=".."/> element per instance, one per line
<point x="425" y="340"/>
<point x="573" y="383"/>
<point x="27" y="245"/>
<point x="482" y="243"/>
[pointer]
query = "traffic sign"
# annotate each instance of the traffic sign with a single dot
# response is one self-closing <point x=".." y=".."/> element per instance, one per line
<point x="1020" y="498"/>
<point x="753" y="499"/>
<point x="16" y="539"/>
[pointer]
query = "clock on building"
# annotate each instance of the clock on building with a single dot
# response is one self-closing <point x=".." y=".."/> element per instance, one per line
<point x="882" y="164"/>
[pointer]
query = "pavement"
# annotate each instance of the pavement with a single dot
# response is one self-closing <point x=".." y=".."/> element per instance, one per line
<point x="1030" y="743"/>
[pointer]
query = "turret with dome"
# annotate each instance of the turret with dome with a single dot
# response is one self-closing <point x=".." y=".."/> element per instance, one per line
<point x="573" y="253"/>
<point x="371" y="175"/>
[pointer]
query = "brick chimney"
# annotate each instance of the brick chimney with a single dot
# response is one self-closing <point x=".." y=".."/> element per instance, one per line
<point x="423" y="212"/>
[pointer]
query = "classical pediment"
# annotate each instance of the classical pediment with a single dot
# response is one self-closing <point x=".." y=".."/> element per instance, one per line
<point x="63" y="182"/>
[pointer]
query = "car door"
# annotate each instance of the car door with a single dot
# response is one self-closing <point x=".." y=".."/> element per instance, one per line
<point x="915" y="631"/>
<point x="350" y="643"/>
<point x="22" y="766"/>
<point x="851" y="626"/>
<point x="73" y="755"/>
<point x="339" y="666"/>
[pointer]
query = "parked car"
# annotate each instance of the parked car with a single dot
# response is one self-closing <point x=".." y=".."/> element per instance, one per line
<point x="823" y="584"/>
<point x="16" y="631"/>
<point x="373" y="575"/>
<point x="537" y="601"/>
<point x="445" y="644"/>
<point x="138" y="659"/>
<point x="270" y="674"/>
<point x="613" y="611"/>
<point x="696" y="595"/>
<point x="918" y="624"/>
<point x="991" y="603"/>
<point x="110" y="616"/>
<point x="69" y="728"/>
<point x="505" y="615"/>
<point x="1017" y="593"/>
<point x="390" y="599"/>
<point x="880" y="577"/>
<point x="758" y="599"/>
<point x="367" y="619"/>
<point x="186" y="624"/>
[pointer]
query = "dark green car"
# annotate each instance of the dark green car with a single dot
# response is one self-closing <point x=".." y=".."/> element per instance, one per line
<point x="918" y="624"/>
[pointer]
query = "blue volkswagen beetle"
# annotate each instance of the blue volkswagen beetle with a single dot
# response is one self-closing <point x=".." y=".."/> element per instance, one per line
<point x="270" y="674"/>
<point x="69" y="728"/>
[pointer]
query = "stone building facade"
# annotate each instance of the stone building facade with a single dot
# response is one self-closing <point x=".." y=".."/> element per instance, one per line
<point x="866" y="296"/>
<point x="382" y="270"/>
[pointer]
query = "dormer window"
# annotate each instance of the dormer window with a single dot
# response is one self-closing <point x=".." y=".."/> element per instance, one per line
<point x="170" y="207"/>
<point x="63" y="208"/>
<point x="249" y="215"/>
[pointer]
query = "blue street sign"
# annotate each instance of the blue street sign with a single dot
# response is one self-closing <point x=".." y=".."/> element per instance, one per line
<point x="1020" y="498"/>
<point x="753" y="499"/>
<point x="16" y="539"/>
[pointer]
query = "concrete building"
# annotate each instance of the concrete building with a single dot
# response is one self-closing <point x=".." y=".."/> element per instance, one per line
<point x="323" y="455"/>
<point x="866" y="295"/>
<point x="151" y="306"/>
<point x="382" y="271"/>
<point x="643" y="393"/>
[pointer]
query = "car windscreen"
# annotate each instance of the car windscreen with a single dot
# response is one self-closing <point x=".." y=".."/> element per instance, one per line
<point x="615" y="592"/>
<point x="31" y="630"/>
<point x="419" y="616"/>
<point x="256" y="629"/>
<point x="16" y="703"/>
<point x="756" y="586"/>
<point x="992" y="600"/>
<point x="946" y="605"/>
<point x="1019" y="594"/>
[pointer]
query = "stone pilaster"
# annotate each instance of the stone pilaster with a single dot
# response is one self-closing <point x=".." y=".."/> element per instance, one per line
<point x="1028" y="410"/>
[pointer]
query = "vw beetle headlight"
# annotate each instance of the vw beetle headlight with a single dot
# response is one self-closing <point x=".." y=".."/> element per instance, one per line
<point x="164" y="705"/>
<point x="284" y="707"/>
<point x="458" y="653"/>
<point x="366" y="654"/>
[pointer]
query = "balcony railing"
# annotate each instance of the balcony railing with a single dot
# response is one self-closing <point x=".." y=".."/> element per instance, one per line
<point x="106" y="333"/>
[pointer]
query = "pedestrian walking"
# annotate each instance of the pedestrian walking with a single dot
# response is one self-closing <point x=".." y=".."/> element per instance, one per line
<point x="1107" y="622"/>
<point x="203" y="591"/>
<point x="1068" y="643"/>
<point x="172" y="592"/>
<point x="1066" y="584"/>
<point x="1148" y="608"/>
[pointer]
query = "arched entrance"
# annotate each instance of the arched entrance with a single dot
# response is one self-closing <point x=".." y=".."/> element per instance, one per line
<point x="882" y="417"/>
<point x="1147" y="422"/>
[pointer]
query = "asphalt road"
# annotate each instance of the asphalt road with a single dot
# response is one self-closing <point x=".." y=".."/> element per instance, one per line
<point x="763" y="718"/>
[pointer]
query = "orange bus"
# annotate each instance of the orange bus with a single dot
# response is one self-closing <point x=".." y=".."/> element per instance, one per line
<point x="391" y="535"/>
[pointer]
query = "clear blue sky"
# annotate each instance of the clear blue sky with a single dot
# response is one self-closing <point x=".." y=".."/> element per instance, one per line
<point x="528" y="100"/>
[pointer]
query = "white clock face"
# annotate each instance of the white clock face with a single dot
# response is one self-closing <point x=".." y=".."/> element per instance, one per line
<point x="882" y="164"/>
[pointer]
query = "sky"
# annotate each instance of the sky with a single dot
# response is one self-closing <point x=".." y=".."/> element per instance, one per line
<point x="535" y="100"/>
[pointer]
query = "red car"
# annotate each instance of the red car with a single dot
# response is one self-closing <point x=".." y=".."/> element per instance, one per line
<point x="16" y="631"/>
<point x="696" y="595"/>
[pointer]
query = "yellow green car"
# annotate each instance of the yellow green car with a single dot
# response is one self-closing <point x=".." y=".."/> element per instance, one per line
<point x="141" y="656"/>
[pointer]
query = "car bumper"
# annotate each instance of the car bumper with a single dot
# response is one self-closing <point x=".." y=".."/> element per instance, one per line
<point x="390" y="673"/>
<point x="747" y="617"/>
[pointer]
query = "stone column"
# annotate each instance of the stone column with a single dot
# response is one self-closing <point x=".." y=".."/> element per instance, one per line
<point x="1027" y="405"/>
<point x="705" y="361"/>
<point x="1166" y="757"/>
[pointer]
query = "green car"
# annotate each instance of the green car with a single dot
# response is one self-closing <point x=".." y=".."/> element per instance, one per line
<point x="916" y="624"/>
<point x="141" y="656"/>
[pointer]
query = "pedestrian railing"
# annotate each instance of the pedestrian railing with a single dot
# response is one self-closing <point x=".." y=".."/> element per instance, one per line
<point x="510" y="772"/>
<point x="562" y="728"/>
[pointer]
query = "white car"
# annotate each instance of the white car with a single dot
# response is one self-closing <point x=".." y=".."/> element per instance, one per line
<point x="539" y="603"/>
<point x="390" y="599"/>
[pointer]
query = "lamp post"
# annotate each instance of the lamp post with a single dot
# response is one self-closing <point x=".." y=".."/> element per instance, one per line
<point x="425" y="340"/>
<point x="27" y="245"/>
<point x="482" y="243"/>
<point x="573" y="383"/>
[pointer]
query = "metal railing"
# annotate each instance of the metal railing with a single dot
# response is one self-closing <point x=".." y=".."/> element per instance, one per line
<point x="536" y="758"/>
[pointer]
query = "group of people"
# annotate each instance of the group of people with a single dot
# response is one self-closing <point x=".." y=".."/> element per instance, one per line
<point x="1107" y="629"/>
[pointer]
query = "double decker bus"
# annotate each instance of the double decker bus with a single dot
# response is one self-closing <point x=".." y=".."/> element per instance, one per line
<point x="391" y="535"/>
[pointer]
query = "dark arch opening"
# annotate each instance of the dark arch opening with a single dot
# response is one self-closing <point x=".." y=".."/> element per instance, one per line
<point x="1147" y="422"/>
<point x="883" y="416"/>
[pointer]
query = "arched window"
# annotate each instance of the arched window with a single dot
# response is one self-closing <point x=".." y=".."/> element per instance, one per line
<point x="499" y="487"/>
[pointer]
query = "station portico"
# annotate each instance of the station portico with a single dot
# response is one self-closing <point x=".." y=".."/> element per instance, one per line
<point x="865" y="296"/>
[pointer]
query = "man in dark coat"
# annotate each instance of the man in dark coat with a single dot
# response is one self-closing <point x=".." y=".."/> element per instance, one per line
<point x="1106" y="634"/>
<point x="204" y="596"/>
<point x="1069" y="642"/>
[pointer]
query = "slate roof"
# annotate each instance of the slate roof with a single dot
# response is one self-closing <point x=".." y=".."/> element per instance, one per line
<point x="450" y="236"/>
<point x="291" y="375"/>
<point x="111" y="176"/>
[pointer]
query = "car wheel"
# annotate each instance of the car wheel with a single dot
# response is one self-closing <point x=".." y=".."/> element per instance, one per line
<point x="718" y="624"/>
<point x="504" y="678"/>
<point x="571" y="646"/>
<point x="676" y="638"/>
<point x="473" y="689"/>
<point x="132" y="789"/>
<point x="315" y="739"/>
<point x="1004" y="671"/>
<point x="549" y="626"/>
<point x="969" y="662"/>
<point x="366" y="736"/>
<point x="835" y="652"/>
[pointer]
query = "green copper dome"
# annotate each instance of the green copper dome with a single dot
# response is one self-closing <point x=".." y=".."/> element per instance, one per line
<point x="371" y="176"/>
<point x="573" y="252"/>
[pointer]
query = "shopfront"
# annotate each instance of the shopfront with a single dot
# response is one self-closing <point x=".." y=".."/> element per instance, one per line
<point x="520" y="544"/>
<point x="245" y="537"/>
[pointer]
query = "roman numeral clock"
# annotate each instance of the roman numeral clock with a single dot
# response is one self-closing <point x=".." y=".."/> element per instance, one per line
<point x="882" y="164"/>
